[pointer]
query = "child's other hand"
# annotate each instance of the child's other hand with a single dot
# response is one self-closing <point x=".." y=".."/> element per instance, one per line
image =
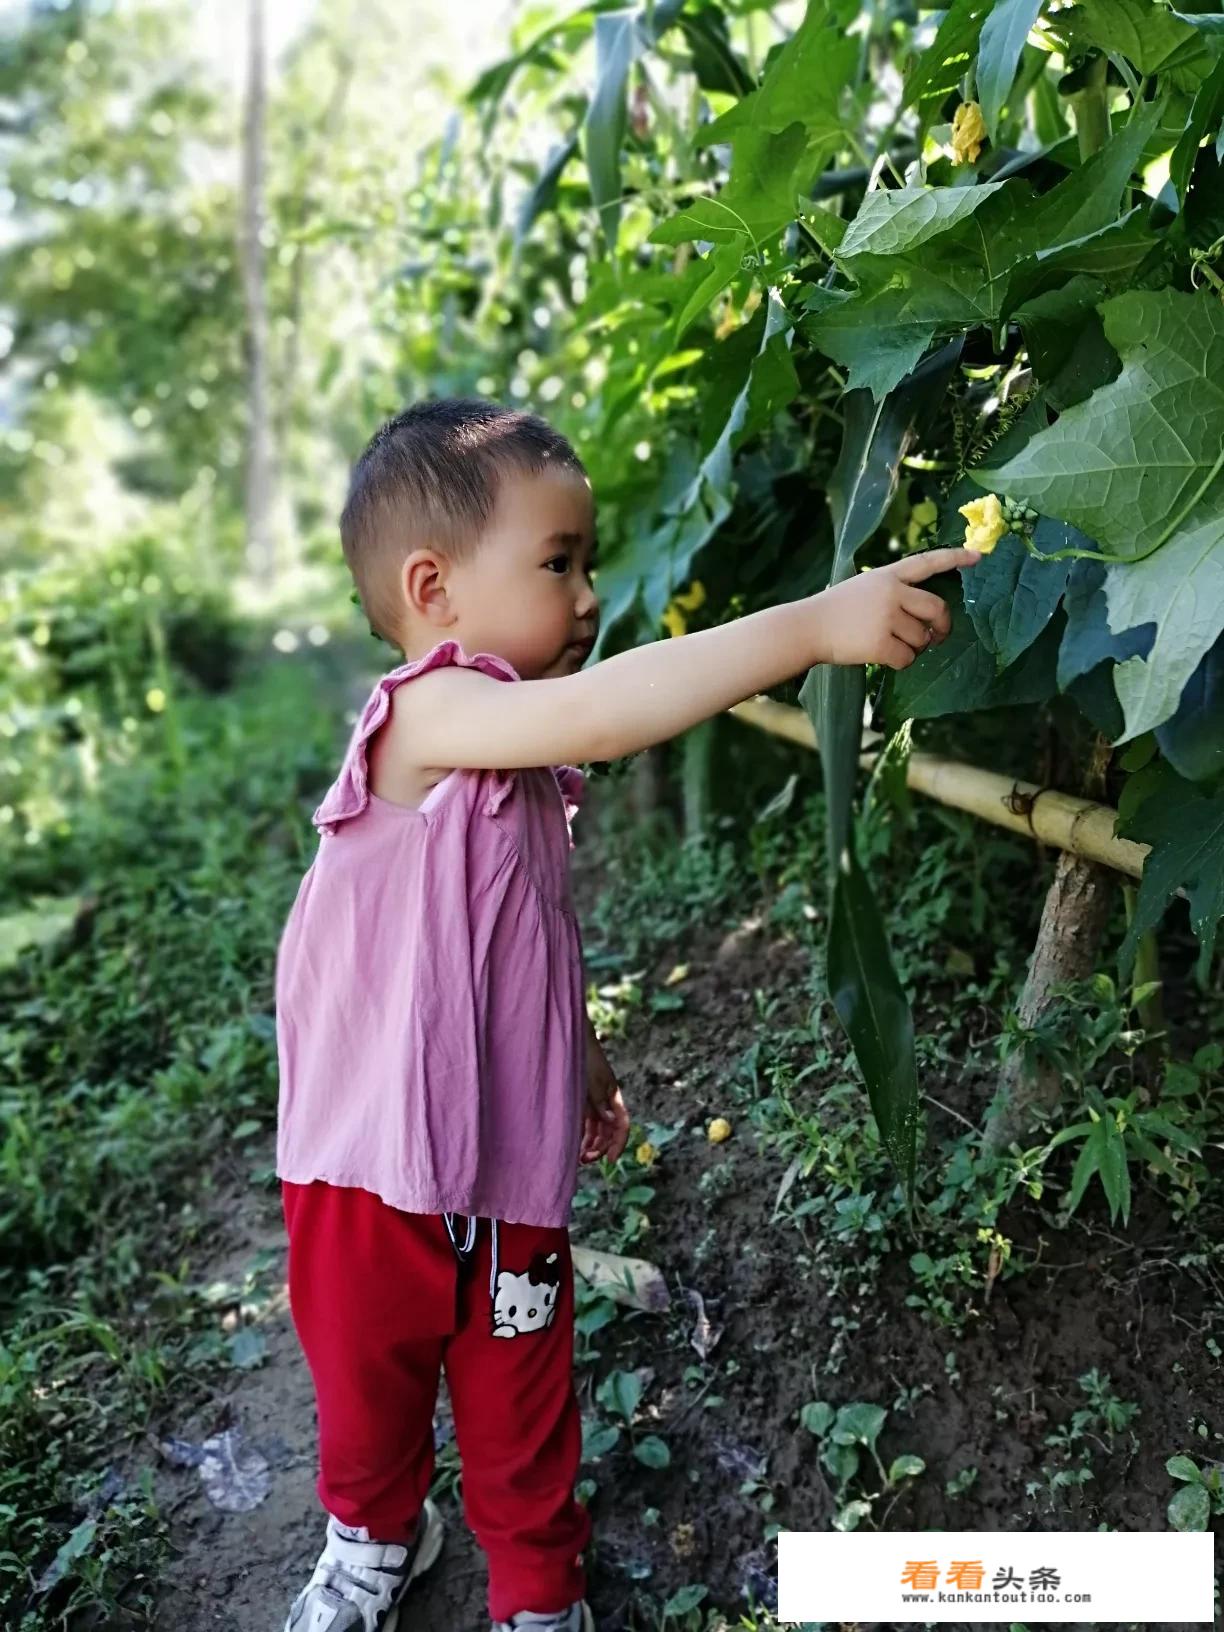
<point x="605" y="1130"/>
<point x="882" y="616"/>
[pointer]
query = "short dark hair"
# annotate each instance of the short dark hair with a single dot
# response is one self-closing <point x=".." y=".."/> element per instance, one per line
<point x="431" y="475"/>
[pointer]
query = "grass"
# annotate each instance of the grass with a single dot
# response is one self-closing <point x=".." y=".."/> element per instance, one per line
<point x="138" y="1048"/>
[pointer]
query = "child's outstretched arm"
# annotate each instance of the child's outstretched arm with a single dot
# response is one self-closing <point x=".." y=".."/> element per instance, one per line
<point x="462" y="718"/>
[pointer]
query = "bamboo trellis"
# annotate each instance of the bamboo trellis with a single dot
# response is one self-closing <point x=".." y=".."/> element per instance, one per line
<point x="1079" y="825"/>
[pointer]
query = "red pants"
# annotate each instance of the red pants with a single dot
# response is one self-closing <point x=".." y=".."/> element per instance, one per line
<point x="382" y="1301"/>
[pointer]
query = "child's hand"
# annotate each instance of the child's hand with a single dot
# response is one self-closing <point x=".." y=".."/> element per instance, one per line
<point x="882" y="617"/>
<point x="605" y="1129"/>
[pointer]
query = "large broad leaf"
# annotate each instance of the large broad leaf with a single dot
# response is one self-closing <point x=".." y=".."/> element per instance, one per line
<point x="862" y="982"/>
<point x="871" y="1006"/>
<point x="1187" y="839"/>
<point x="1181" y="590"/>
<point x="1148" y="34"/>
<point x="760" y="198"/>
<point x="935" y="261"/>
<point x="1003" y="37"/>
<point x="780" y="135"/>
<point x="1088" y="641"/>
<point x="805" y="81"/>
<point x="961" y="674"/>
<point x="1139" y="466"/>
<point x="1193" y="740"/>
<point x="1012" y="594"/>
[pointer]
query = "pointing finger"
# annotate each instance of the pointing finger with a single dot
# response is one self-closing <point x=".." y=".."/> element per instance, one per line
<point x="929" y="562"/>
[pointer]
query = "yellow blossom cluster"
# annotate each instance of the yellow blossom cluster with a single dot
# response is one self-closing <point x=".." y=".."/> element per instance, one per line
<point x="968" y="133"/>
<point x="984" y="523"/>
<point x="674" y="619"/>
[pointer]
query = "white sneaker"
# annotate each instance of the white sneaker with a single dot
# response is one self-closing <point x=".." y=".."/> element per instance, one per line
<point x="358" y="1586"/>
<point x="577" y="1618"/>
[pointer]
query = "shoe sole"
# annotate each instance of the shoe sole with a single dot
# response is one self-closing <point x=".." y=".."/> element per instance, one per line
<point x="427" y="1555"/>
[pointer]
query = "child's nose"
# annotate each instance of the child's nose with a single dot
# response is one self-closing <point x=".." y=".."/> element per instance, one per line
<point x="586" y="601"/>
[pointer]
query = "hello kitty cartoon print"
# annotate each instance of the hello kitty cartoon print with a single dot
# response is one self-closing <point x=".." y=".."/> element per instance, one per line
<point x="526" y="1302"/>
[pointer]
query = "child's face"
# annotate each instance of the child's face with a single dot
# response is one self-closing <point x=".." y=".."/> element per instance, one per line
<point x="526" y="593"/>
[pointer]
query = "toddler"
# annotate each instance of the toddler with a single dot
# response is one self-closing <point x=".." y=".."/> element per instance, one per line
<point x="440" y="1082"/>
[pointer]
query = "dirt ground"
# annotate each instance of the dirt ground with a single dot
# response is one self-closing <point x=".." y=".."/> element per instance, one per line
<point x="800" y="1324"/>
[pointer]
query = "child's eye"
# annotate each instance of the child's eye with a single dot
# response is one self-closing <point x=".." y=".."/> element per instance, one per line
<point x="553" y="566"/>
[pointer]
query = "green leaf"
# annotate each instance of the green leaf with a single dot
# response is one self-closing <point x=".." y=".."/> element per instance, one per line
<point x="1139" y="466"/>
<point x="598" y="1439"/>
<point x="543" y="195"/>
<point x="1193" y="739"/>
<point x="620" y="1391"/>
<point x="1085" y="1167"/>
<point x="1205" y="14"/>
<point x="1183" y="1467"/>
<point x="248" y="1348"/>
<point x="651" y="1452"/>
<point x="863" y="984"/>
<point x="1180" y="589"/>
<point x="654" y="563"/>
<point x="685" y="1599"/>
<point x="817" y="1418"/>
<point x="1190" y="1509"/>
<point x="1003" y="36"/>
<point x="938" y="261"/>
<point x="720" y="267"/>
<point x="79" y="1542"/>
<point x="1206" y="117"/>
<point x="906" y="1467"/>
<point x="805" y="81"/>
<point x="1088" y="639"/>
<point x="895" y="221"/>
<point x="961" y="674"/>
<point x="1011" y="594"/>
<point x="761" y="195"/>
<point x="1187" y="839"/>
<point x="874" y="441"/>
<point x="859" y="1424"/>
<point x="943" y="64"/>
<point x="1150" y="36"/>
<point x="1114" y="1170"/>
<point x="715" y="63"/>
<point x="618" y="43"/>
<point x="871" y="1005"/>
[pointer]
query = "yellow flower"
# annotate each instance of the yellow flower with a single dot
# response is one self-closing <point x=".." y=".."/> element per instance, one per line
<point x="718" y="1130"/>
<point x="968" y="133"/>
<point x="984" y="523"/>
<point x="156" y="699"/>
<point x="674" y="619"/>
<point x="646" y="1154"/>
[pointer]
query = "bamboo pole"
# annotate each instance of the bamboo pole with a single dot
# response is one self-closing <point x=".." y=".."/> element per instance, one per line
<point x="1081" y="826"/>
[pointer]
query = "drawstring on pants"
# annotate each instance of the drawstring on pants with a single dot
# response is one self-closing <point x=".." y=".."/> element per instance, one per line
<point x="465" y="1251"/>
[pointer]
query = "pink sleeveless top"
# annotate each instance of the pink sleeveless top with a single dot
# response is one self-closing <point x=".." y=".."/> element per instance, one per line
<point x="430" y="988"/>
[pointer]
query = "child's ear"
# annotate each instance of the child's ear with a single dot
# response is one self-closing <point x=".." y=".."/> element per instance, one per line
<point x="423" y="584"/>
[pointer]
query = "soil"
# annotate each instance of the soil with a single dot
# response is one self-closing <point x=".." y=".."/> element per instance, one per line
<point x="800" y="1324"/>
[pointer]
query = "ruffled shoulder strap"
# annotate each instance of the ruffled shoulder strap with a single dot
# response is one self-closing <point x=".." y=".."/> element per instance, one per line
<point x="349" y="794"/>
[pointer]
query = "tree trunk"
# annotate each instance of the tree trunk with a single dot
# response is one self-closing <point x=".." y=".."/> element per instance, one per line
<point x="1073" y="920"/>
<point x="261" y="550"/>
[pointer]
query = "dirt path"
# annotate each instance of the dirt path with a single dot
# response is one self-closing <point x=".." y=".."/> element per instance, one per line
<point x="811" y="1308"/>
